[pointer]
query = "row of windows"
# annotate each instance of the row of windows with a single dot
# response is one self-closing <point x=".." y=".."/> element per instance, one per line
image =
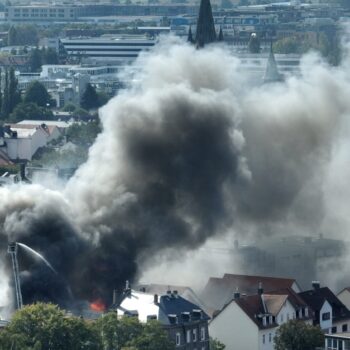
<point x="264" y="338"/>
<point x="337" y="344"/>
<point x="191" y="336"/>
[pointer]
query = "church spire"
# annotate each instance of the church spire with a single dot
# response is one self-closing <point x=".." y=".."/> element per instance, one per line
<point x="190" y="36"/>
<point x="205" y="32"/>
<point x="272" y="74"/>
<point x="221" y="35"/>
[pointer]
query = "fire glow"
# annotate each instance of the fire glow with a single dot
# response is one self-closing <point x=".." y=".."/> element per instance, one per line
<point x="98" y="306"/>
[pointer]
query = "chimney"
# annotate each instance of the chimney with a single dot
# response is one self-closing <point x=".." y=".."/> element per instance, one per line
<point x="236" y="294"/>
<point x="155" y="298"/>
<point x="115" y="296"/>
<point x="260" y="289"/>
<point x="168" y="292"/>
<point x="315" y="285"/>
<point x="175" y="293"/>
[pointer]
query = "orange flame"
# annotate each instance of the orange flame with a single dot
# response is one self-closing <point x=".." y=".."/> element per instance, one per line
<point x="98" y="306"/>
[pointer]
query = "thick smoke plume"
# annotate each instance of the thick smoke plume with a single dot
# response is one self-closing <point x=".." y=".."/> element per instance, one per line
<point x="188" y="152"/>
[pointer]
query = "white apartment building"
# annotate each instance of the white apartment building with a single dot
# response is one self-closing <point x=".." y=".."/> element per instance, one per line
<point x="251" y="322"/>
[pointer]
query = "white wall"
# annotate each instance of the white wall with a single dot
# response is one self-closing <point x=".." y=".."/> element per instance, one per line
<point x="25" y="148"/>
<point x="286" y="313"/>
<point x="268" y="345"/>
<point x="326" y="325"/>
<point x="344" y="297"/>
<point x="235" y="329"/>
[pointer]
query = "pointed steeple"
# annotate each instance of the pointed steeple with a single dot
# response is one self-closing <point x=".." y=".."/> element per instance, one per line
<point x="271" y="73"/>
<point x="221" y="35"/>
<point x="205" y="32"/>
<point x="190" y="36"/>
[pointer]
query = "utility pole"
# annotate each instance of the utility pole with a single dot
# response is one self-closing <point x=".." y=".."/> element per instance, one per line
<point x="12" y="250"/>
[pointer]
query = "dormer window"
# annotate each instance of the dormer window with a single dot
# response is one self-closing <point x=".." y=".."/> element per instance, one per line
<point x="264" y="320"/>
<point x="270" y="319"/>
<point x="306" y="312"/>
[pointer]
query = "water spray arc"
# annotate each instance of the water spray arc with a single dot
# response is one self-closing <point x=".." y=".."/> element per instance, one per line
<point x="12" y="250"/>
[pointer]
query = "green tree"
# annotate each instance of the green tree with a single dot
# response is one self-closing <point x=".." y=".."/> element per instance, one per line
<point x="37" y="93"/>
<point x="12" y="36"/>
<point x="83" y="134"/>
<point x="69" y="107"/>
<point x="5" y="108"/>
<point x="254" y="43"/>
<point x="30" y="111"/>
<point x="103" y="98"/>
<point x="89" y="99"/>
<point x="153" y="337"/>
<point x="14" y="97"/>
<point x="45" y="326"/>
<point x="116" y="333"/>
<point x="297" y="335"/>
<point x="35" y="60"/>
<point x="50" y="56"/>
<point x="215" y="344"/>
<point x="287" y="45"/>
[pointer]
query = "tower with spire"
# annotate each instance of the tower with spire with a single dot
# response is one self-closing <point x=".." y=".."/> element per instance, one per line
<point x="205" y="33"/>
<point x="272" y="74"/>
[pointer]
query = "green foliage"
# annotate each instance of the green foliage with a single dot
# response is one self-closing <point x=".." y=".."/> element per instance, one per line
<point x="30" y="111"/>
<point x="37" y="93"/>
<point x="328" y="48"/>
<point x="11" y="96"/>
<point x="297" y="335"/>
<point x="12" y="169"/>
<point x="26" y="34"/>
<point x="254" y="44"/>
<point x="215" y="344"/>
<point x="35" y="60"/>
<point x="89" y="99"/>
<point x="103" y="98"/>
<point x="117" y="333"/>
<point x="45" y="326"/>
<point x="69" y="107"/>
<point x="83" y="134"/>
<point x="49" y="56"/>
<point x="12" y="36"/>
<point x="153" y="337"/>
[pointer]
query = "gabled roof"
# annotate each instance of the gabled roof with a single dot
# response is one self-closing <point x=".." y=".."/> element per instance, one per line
<point x="219" y="291"/>
<point x="344" y="289"/>
<point x="162" y="289"/>
<point x="166" y="309"/>
<point x="274" y="302"/>
<point x="254" y="308"/>
<point x="176" y="305"/>
<point x="315" y="298"/>
<point x="293" y="297"/>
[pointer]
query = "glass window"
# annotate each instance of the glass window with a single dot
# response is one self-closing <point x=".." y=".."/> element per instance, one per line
<point x="178" y="339"/>
<point x="326" y="316"/>
<point x="263" y="340"/>
<point x="188" y="336"/>
<point x="270" y="337"/>
<point x="344" y="327"/>
<point x="194" y="331"/>
<point x="202" y="333"/>
<point x="334" y="330"/>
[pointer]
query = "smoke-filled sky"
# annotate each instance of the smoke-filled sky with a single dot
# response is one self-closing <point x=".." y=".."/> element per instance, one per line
<point x="189" y="152"/>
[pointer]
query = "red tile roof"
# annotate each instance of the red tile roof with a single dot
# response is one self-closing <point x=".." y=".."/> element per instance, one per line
<point x="219" y="291"/>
